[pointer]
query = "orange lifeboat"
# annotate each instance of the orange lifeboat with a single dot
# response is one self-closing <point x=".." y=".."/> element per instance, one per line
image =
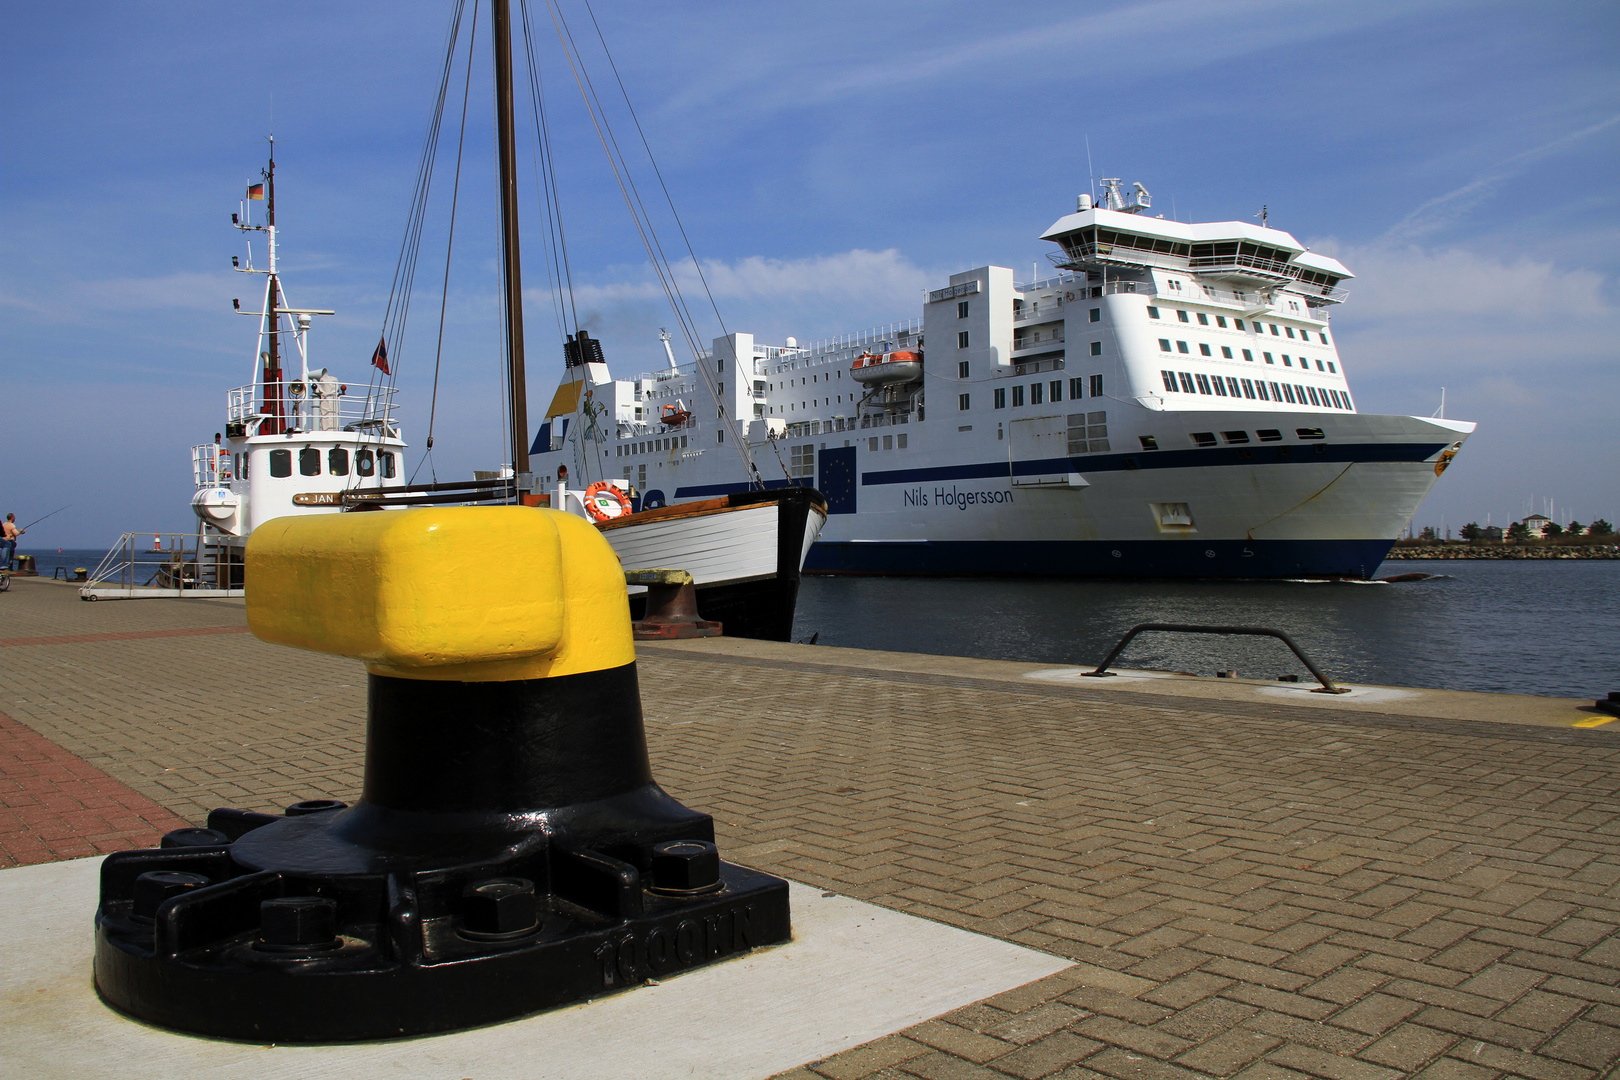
<point x="890" y="367"/>
<point x="674" y="416"/>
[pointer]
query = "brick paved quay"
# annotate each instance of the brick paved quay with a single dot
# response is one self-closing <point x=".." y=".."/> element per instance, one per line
<point x="1246" y="889"/>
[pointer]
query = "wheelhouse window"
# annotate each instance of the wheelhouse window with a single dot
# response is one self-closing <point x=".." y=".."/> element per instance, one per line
<point x="309" y="461"/>
<point x="365" y="463"/>
<point x="387" y="460"/>
<point x="337" y="461"/>
<point x="280" y="463"/>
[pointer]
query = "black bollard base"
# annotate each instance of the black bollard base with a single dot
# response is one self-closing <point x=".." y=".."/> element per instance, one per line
<point x="198" y="938"/>
<point x="528" y="862"/>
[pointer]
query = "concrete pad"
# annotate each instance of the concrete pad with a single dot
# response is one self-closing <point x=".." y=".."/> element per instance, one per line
<point x="854" y="972"/>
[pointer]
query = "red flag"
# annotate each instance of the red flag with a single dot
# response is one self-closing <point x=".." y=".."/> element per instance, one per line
<point x="379" y="359"/>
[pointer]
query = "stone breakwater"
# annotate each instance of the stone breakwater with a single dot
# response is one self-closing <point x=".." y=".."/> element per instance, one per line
<point x="1503" y="551"/>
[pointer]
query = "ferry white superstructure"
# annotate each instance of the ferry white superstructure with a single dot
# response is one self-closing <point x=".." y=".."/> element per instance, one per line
<point x="1171" y="403"/>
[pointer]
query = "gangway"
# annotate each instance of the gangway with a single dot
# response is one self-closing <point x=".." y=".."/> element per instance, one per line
<point x="159" y="565"/>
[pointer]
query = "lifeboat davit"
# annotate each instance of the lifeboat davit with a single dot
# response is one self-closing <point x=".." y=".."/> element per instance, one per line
<point x="889" y="367"/>
<point x="674" y="415"/>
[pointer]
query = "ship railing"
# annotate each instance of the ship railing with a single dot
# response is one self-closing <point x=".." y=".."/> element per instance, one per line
<point x="1030" y="343"/>
<point x="306" y="408"/>
<point x="205" y="462"/>
<point x="900" y="334"/>
<point x="1209" y="264"/>
<point x="165" y="564"/>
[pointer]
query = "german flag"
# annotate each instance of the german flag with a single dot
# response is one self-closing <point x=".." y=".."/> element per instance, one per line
<point x="255" y="191"/>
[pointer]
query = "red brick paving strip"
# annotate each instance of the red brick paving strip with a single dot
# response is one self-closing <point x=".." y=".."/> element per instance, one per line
<point x="56" y="806"/>
<point x="127" y="635"/>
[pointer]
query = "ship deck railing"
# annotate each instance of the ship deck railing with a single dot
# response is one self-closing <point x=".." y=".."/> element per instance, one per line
<point x="373" y="409"/>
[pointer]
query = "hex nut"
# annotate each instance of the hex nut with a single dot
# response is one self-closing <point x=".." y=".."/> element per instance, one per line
<point x="302" y="924"/>
<point x="156" y="886"/>
<point x="685" y="866"/>
<point x="188" y="838"/>
<point x="315" y="806"/>
<point x="497" y="908"/>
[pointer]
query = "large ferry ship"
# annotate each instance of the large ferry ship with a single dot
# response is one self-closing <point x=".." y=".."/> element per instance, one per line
<point x="1171" y="402"/>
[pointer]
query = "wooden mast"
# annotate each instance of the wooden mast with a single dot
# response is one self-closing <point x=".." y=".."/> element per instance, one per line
<point x="512" y="276"/>
<point x="275" y="422"/>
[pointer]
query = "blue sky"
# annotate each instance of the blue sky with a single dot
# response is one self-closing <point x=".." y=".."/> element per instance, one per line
<point x="830" y="161"/>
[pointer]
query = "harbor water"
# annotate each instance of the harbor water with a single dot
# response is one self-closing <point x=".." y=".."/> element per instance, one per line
<point x="1547" y="627"/>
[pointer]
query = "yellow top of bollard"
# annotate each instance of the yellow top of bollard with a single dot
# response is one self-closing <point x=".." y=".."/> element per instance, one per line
<point x="464" y="593"/>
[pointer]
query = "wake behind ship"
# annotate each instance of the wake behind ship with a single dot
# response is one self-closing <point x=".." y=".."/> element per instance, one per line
<point x="1171" y="403"/>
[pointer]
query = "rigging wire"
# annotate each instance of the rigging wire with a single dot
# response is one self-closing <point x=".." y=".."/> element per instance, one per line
<point x="654" y="252"/>
<point x="449" y="245"/>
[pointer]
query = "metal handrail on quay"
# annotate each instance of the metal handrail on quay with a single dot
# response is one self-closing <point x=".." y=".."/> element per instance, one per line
<point x="1328" y="686"/>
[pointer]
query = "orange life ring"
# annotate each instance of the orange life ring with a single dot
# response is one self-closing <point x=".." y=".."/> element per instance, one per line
<point x="1069" y="295"/>
<point x="604" y="501"/>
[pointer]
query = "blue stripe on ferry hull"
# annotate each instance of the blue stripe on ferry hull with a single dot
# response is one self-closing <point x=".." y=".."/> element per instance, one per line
<point x="1214" y="457"/>
<point x="1104" y="558"/>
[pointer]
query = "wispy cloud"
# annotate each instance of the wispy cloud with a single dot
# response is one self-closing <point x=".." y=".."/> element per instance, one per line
<point x="1445" y="210"/>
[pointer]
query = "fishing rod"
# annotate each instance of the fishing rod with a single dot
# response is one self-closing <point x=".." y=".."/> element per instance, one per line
<point x="53" y="513"/>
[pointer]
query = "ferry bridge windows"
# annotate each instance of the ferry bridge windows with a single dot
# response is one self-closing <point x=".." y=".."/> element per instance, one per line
<point x="961" y="369"/>
<point x="387" y="459"/>
<point x="1203" y="320"/>
<point x="1096" y="386"/>
<point x="1248" y="389"/>
<point x="1076" y="389"/>
<point x="1035" y="393"/>
<point x="962" y="340"/>
<point x="1000" y="397"/>
<point x="1096" y="314"/>
<point x="337" y="461"/>
<point x="1153" y="312"/>
<point x="1236" y="438"/>
<point x="1203" y="350"/>
<point x="1203" y="438"/>
<point x="1056" y="388"/>
<point x="1203" y="383"/>
<point x="1181" y="315"/>
<point x="1187" y="384"/>
<point x="961" y="402"/>
<point x="1164" y="344"/>
<point x="309" y="461"/>
<point x="1017" y="396"/>
<point x="961" y="309"/>
<point x="1181" y="347"/>
<point x="1169" y="378"/>
<point x="280" y="463"/>
<point x="1148" y="442"/>
<point x="1269" y="435"/>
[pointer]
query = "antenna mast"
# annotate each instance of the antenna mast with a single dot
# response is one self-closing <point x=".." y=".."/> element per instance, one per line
<point x="275" y="422"/>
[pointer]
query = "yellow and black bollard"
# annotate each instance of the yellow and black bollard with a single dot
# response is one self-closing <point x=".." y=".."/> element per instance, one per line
<point x="510" y="851"/>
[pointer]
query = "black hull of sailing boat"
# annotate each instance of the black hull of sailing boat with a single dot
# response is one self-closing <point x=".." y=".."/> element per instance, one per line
<point x="756" y="606"/>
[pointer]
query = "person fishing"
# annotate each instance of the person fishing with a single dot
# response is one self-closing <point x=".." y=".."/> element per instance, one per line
<point x="8" y="540"/>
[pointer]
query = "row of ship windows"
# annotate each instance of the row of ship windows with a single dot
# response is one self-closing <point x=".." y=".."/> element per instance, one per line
<point x="1226" y="351"/>
<point x="337" y="463"/>
<point x="1205" y="439"/>
<point x="1259" y="328"/>
<point x="802" y="458"/>
<point x="1291" y="393"/>
<point x="651" y="446"/>
<point x="1039" y="393"/>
